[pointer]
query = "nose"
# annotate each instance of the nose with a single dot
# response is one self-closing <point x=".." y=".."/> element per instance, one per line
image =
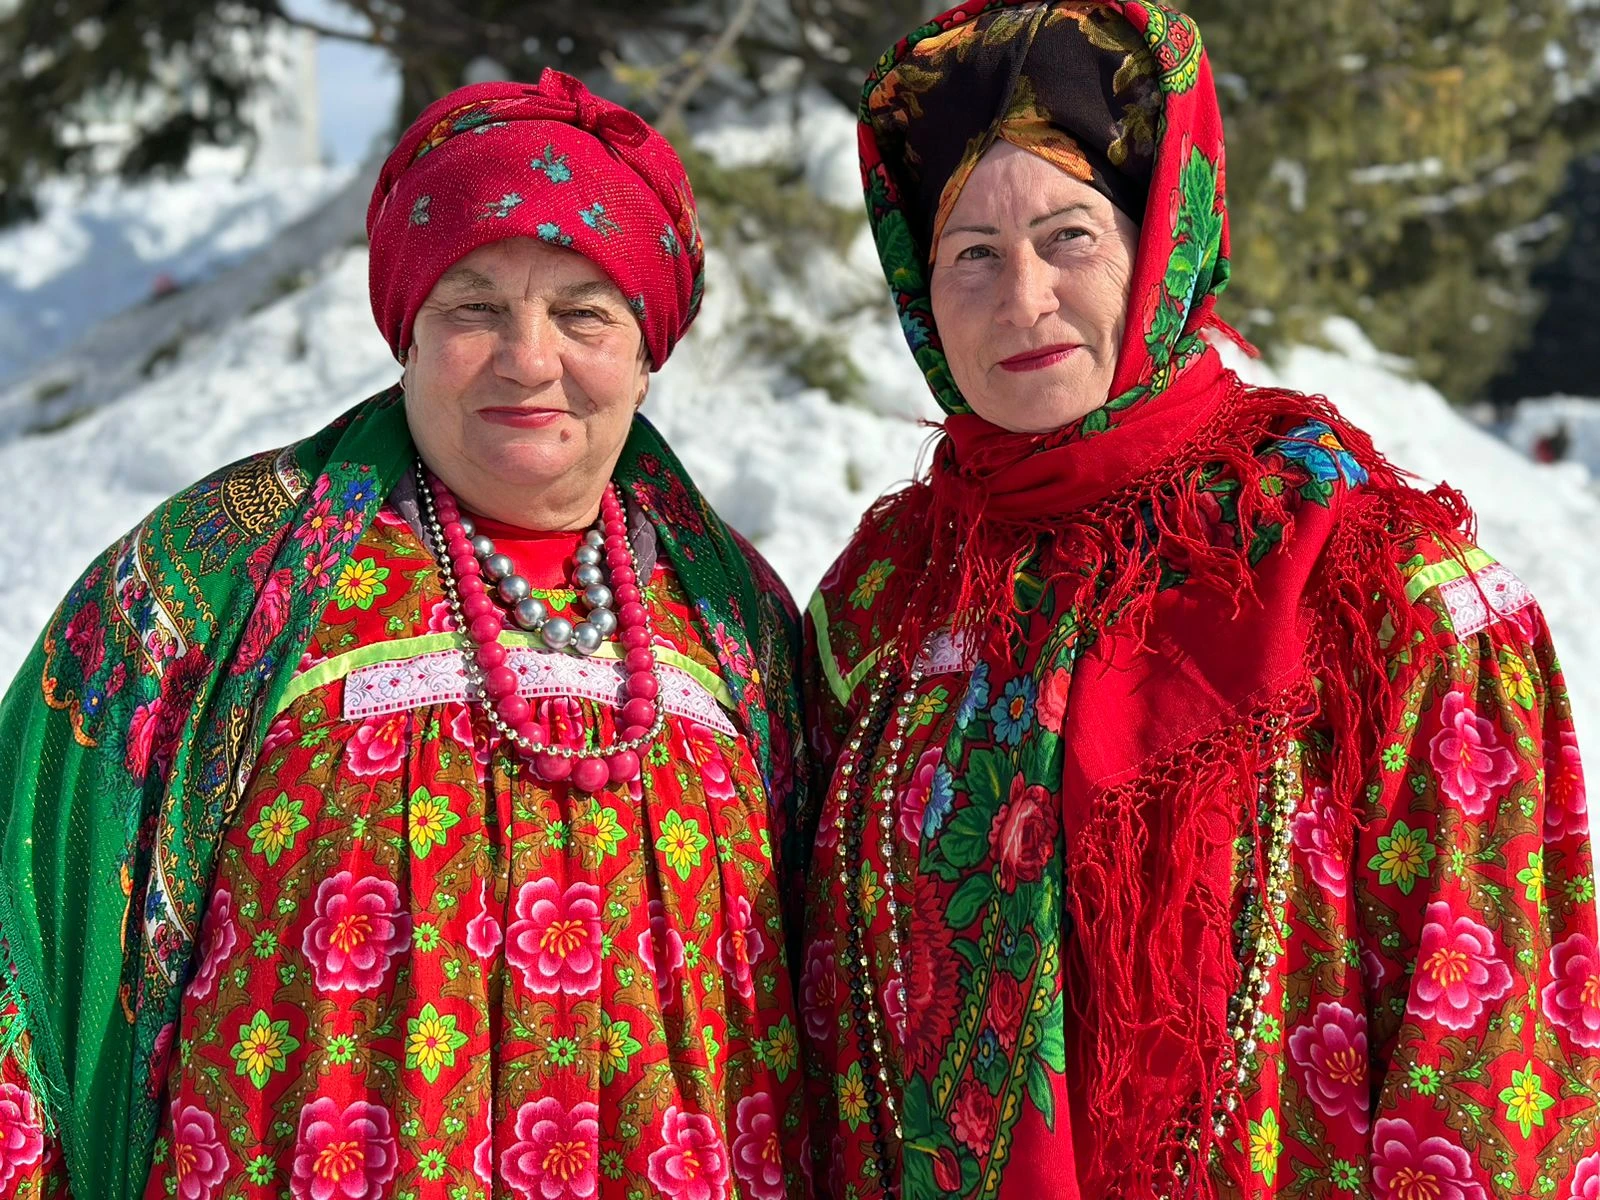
<point x="1027" y="289"/>
<point x="529" y="353"/>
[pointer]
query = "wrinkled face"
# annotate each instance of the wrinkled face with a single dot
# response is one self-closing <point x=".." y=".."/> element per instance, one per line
<point x="525" y="369"/>
<point x="1030" y="291"/>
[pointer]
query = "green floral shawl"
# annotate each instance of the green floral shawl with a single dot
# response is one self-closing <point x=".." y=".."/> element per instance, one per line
<point x="128" y="737"/>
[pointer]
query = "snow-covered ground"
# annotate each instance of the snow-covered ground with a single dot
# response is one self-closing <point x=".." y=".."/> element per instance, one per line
<point x="788" y="465"/>
<point x="99" y="250"/>
<point x="1579" y="416"/>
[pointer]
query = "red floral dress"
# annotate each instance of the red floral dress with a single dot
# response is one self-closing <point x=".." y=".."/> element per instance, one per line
<point x="1431" y="1027"/>
<point x="424" y="973"/>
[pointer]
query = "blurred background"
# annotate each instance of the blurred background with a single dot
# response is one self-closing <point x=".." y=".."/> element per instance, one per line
<point x="1415" y="190"/>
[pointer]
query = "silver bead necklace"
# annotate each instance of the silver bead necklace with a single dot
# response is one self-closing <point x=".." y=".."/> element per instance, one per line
<point x="531" y="614"/>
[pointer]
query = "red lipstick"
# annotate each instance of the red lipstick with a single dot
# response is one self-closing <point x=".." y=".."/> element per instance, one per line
<point x="1038" y="360"/>
<point x="521" y="418"/>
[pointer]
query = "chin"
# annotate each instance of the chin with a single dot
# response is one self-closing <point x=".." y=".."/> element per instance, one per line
<point x="529" y="460"/>
<point x="1050" y="408"/>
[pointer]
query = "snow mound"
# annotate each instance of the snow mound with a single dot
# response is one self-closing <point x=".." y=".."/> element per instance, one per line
<point x="1580" y="416"/>
<point x="99" y="250"/>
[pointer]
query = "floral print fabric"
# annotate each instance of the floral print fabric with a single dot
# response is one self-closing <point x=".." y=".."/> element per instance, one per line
<point x="1433" y="1013"/>
<point x="422" y="973"/>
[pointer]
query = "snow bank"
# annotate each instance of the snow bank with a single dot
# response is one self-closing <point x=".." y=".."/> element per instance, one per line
<point x="1540" y="417"/>
<point x="99" y="250"/>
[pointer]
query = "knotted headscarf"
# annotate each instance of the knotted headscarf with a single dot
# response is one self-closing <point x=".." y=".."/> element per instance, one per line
<point x="550" y="161"/>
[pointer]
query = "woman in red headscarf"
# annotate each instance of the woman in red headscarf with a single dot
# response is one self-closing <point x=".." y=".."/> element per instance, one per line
<point x="1202" y="814"/>
<point x="396" y="814"/>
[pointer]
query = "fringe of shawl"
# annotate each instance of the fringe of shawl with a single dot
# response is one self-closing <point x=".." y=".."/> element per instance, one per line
<point x="1135" y="878"/>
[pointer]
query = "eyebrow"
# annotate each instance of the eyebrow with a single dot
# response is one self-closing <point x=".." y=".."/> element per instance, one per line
<point x="991" y="231"/>
<point x="465" y="279"/>
<point x="584" y="293"/>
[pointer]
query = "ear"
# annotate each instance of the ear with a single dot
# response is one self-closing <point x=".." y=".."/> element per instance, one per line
<point x="407" y="362"/>
<point x="644" y="390"/>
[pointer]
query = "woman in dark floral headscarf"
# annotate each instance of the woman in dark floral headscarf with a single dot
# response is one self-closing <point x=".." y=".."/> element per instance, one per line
<point x="1202" y="813"/>
<point x="395" y="815"/>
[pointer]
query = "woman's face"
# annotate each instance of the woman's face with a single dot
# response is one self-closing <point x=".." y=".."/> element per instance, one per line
<point x="1030" y="291"/>
<point x="525" y="369"/>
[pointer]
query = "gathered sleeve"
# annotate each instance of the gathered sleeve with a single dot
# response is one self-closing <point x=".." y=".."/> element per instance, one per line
<point x="1474" y="914"/>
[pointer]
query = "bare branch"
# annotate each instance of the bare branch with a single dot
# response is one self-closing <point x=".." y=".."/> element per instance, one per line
<point x="672" y="111"/>
<point x="372" y="38"/>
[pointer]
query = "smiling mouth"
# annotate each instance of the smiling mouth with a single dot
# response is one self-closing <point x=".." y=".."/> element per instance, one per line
<point x="1037" y="360"/>
<point x="522" y="418"/>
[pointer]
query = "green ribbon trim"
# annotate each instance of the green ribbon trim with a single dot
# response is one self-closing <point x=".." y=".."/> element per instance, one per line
<point x="1439" y="573"/>
<point x="842" y="686"/>
<point x="403" y="649"/>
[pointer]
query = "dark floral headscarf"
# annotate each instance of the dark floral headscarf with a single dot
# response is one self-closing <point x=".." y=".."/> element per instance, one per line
<point x="1122" y="86"/>
<point x="1072" y="83"/>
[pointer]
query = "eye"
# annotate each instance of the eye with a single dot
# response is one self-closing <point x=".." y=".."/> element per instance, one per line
<point x="587" y="315"/>
<point x="476" y="307"/>
<point x="1070" y="234"/>
<point x="973" y="253"/>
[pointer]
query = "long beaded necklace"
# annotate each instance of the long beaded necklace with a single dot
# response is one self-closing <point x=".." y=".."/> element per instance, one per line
<point x="855" y="795"/>
<point x="466" y="558"/>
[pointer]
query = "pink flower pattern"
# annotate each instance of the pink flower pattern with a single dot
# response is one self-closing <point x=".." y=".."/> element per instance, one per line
<point x="914" y="799"/>
<point x="1468" y="757"/>
<point x="555" y="940"/>
<point x="21" y="1135"/>
<point x="379" y="746"/>
<point x="740" y="946"/>
<point x="483" y="931"/>
<point x="1586" y="1179"/>
<point x="1332" y="1049"/>
<point x="1566" y="810"/>
<point x="818" y="989"/>
<point x="358" y="928"/>
<point x="1458" y="969"/>
<point x="714" y="774"/>
<point x="692" y="1163"/>
<point x="556" y="1153"/>
<point x="758" y="1148"/>
<point x="1315" y="833"/>
<point x="1408" y="1167"/>
<point x="199" y="1159"/>
<point x="218" y="940"/>
<point x="1572" y="997"/>
<point x="661" y="950"/>
<point x="142" y="728"/>
<point x="347" y="1154"/>
<point x="483" y="1160"/>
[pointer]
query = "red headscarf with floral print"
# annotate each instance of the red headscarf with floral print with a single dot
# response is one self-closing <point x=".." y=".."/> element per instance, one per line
<point x="551" y="161"/>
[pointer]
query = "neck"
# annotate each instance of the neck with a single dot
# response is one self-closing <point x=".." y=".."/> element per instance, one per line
<point x="565" y="505"/>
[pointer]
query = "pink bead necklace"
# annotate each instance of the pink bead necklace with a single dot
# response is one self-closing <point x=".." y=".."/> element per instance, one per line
<point x="478" y="613"/>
